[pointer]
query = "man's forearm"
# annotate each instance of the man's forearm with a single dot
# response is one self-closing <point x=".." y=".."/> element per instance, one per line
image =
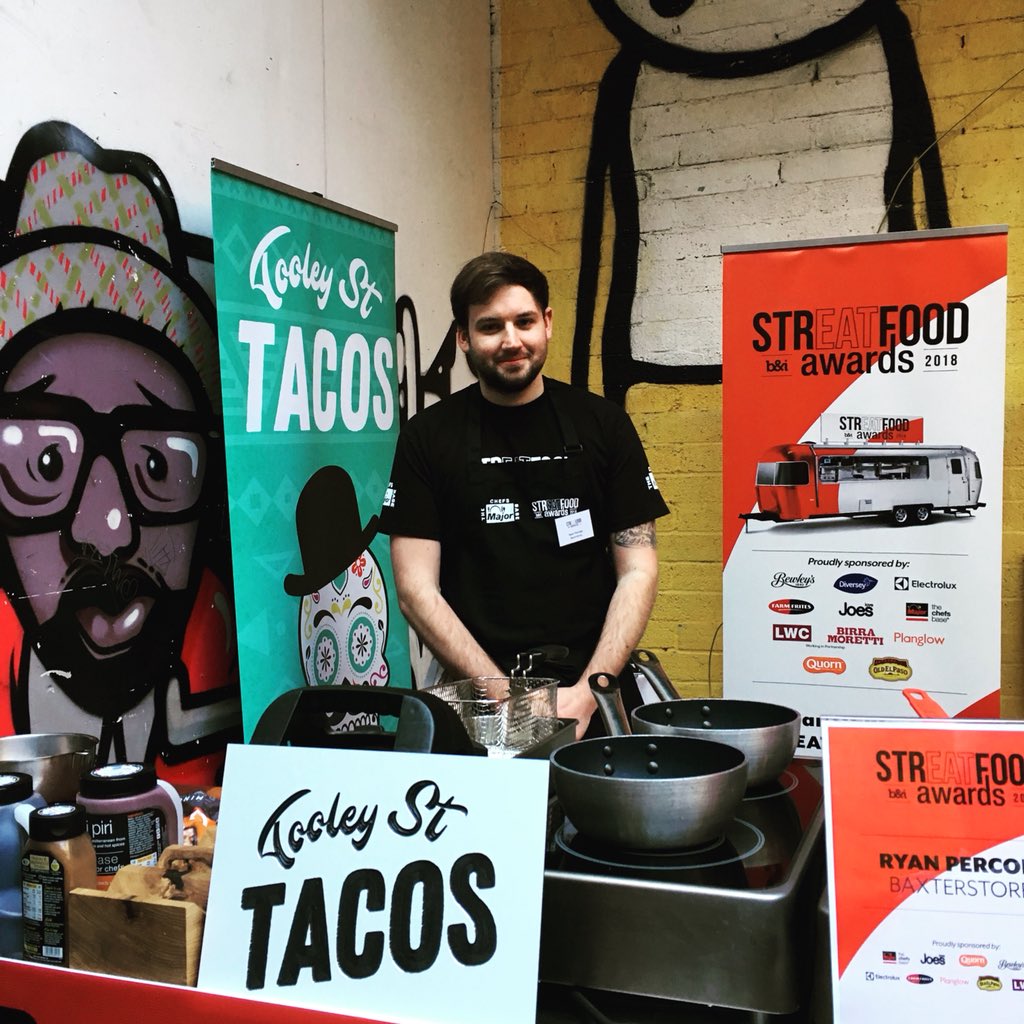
<point x="430" y="615"/>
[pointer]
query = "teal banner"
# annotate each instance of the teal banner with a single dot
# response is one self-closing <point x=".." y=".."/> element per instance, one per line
<point x="306" y="314"/>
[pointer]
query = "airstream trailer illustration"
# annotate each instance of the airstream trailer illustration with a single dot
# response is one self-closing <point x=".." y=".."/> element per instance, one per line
<point x="906" y="482"/>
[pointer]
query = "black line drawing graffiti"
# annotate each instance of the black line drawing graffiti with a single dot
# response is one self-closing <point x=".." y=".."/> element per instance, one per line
<point x="679" y="102"/>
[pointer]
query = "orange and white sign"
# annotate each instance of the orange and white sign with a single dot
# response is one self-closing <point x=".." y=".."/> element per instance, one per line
<point x="925" y="832"/>
<point x="863" y="385"/>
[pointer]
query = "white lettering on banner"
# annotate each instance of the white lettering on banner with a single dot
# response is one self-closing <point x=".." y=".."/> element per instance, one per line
<point x="363" y="380"/>
<point x="290" y="273"/>
<point x="359" y="276"/>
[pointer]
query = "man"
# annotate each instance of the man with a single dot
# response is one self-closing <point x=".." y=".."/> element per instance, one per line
<point x="112" y="621"/>
<point x="521" y="510"/>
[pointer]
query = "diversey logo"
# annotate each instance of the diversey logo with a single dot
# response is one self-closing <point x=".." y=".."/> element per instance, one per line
<point x="855" y="583"/>
<point x="791" y="606"/>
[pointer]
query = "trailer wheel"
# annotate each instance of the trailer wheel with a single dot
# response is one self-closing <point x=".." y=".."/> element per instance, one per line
<point x="922" y="513"/>
<point x="901" y="515"/>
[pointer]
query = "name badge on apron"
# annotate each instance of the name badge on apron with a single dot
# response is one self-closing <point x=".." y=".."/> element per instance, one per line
<point x="574" y="528"/>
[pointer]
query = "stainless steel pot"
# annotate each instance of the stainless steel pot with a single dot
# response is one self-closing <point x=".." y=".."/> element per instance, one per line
<point x="766" y="733"/>
<point x="643" y="792"/>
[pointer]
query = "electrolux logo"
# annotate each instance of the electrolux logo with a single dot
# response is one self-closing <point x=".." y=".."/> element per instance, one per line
<point x="906" y="583"/>
<point x="784" y="631"/>
<point x="855" y="583"/>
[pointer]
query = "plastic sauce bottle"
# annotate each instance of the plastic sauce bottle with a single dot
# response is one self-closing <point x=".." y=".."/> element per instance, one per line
<point x="131" y="814"/>
<point x="57" y="858"/>
<point x="15" y="790"/>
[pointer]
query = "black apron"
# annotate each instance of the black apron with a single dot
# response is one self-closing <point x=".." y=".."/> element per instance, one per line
<point x="510" y="581"/>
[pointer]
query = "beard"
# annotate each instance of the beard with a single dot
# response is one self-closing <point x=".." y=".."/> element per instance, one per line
<point x="110" y="682"/>
<point x="508" y="382"/>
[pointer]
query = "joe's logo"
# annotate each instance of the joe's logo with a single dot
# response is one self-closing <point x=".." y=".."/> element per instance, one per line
<point x="834" y="665"/>
<point x="855" y="583"/>
<point x="791" y="606"/>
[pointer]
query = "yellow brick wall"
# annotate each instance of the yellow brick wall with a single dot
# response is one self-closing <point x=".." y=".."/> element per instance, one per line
<point x="552" y="56"/>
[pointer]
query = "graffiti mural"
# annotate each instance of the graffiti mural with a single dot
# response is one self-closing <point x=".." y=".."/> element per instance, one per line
<point x="116" y="614"/>
<point x="732" y="123"/>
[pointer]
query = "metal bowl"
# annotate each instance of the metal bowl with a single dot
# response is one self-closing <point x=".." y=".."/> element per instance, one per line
<point x="766" y="733"/>
<point x="649" y="793"/>
<point x="55" y="760"/>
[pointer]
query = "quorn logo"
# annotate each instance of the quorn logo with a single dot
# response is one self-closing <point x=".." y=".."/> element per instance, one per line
<point x="890" y="670"/>
<point x="973" y="960"/>
<point x="791" y="606"/>
<point x="835" y="665"/>
<point x="989" y="983"/>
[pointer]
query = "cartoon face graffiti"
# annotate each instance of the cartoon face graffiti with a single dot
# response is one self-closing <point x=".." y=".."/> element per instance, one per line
<point x="343" y="632"/>
<point x="103" y="456"/>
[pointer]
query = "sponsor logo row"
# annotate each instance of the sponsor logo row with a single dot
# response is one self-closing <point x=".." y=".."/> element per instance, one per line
<point x="887" y="669"/>
<point x="985" y="982"/>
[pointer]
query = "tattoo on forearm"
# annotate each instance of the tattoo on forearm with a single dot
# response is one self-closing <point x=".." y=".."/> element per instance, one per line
<point x="641" y="536"/>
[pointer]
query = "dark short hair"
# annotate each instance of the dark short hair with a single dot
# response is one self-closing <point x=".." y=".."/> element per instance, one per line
<point x="483" y="275"/>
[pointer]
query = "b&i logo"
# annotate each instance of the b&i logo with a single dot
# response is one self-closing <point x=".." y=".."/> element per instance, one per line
<point x="500" y="510"/>
<point x="855" y="583"/>
<point x="784" y="631"/>
<point x="791" y="606"/>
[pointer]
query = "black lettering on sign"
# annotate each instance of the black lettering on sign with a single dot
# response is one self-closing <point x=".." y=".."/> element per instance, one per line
<point x="261" y="900"/>
<point x="354" y="963"/>
<point x="308" y="923"/>
<point x="426" y="876"/>
<point x="433" y="802"/>
<point x="482" y="947"/>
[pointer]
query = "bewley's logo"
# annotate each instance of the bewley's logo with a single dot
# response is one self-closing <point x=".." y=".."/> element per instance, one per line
<point x="791" y="606"/>
<point x="797" y="582"/>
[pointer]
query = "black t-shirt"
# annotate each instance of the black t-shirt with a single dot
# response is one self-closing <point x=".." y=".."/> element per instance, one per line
<point x="490" y="483"/>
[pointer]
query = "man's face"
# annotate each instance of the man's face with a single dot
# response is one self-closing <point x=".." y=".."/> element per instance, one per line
<point x="506" y="345"/>
<point x="101" y="456"/>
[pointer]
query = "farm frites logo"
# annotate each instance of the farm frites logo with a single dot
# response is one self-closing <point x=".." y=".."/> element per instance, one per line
<point x="890" y="670"/>
<point x="791" y="606"/>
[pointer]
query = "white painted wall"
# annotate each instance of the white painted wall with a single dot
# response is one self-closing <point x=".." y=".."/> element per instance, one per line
<point x="383" y="105"/>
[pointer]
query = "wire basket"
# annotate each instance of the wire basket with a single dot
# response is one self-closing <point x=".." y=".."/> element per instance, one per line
<point x="506" y="714"/>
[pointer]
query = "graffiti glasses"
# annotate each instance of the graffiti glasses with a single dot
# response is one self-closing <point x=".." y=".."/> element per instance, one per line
<point x="49" y="444"/>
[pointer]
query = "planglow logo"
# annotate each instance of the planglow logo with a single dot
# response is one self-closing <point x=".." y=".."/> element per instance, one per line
<point x="890" y="670"/>
<point x="920" y="979"/>
<point x="790" y="606"/>
<point x="816" y="665"/>
<point x="989" y="983"/>
<point x="855" y="583"/>
<point x="973" y="960"/>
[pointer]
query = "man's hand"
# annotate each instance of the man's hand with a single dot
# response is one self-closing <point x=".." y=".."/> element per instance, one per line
<point x="577" y="702"/>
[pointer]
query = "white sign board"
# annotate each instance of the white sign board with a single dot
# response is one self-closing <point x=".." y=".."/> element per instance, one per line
<point x="400" y="887"/>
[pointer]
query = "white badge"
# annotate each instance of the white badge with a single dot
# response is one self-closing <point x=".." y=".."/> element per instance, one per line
<point x="574" y="528"/>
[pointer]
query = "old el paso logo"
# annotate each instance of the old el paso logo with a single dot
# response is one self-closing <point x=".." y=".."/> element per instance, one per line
<point x="835" y="665"/>
<point x="920" y="979"/>
<point x="890" y="670"/>
<point x="791" y="606"/>
<point x="855" y="583"/>
<point x="989" y="983"/>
